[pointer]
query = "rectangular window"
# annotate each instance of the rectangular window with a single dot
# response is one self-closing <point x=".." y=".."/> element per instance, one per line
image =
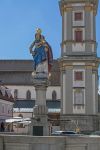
<point x="78" y="76"/>
<point x="3" y="109"/>
<point x="79" y="97"/>
<point x="78" y="36"/>
<point x="78" y="16"/>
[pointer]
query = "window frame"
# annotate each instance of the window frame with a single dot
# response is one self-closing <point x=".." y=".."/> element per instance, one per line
<point x="76" y="16"/>
<point x="79" y="102"/>
<point x="54" y="95"/>
<point x="78" y="35"/>
<point x="28" y="94"/>
<point x="3" y="108"/>
<point x="76" y="74"/>
<point x="15" y="93"/>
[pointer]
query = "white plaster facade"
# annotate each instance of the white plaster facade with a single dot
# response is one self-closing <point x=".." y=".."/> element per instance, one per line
<point x="6" y="109"/>
<point x="22" y="90"/>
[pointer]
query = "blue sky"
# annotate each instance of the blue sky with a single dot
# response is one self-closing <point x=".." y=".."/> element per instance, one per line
<point x="19" y="20"/>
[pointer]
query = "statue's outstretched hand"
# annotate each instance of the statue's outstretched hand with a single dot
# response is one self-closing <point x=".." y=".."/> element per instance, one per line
<point x="33" y="53"/>
<point x="30" y="49"/>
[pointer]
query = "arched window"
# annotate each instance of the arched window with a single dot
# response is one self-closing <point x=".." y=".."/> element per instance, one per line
<point x="28" y="95"/>
<point x="54" y="95"/>
<point x="15" y="94"/>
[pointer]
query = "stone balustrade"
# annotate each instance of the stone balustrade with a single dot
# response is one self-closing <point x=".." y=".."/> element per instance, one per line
<point x="22" y="142"/>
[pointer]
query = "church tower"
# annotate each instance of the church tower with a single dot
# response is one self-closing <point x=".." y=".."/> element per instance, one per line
<point x="79" y="65"/>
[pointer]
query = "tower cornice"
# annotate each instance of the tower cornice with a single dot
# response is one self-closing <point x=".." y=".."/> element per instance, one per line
<point x="74" y="42"/>
<point x="68" y="63"/>
<point x="89" y="5"/>
<point x="79" y="58"/>
<point x="74" y="59"/>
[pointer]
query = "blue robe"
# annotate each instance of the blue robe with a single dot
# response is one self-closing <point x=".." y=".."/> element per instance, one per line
<point x="40" y="54"/>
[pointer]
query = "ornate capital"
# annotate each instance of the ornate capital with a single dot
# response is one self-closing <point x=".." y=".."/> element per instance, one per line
<point x="90" y="8"/>
<point x="88" y="67"/>
<point x="65" y="65"/>
<point x="66" y="9"/>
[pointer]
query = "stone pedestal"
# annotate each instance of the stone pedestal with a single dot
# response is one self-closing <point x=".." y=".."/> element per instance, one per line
<point x="85" y="123"/>
<point x="39" y="125"/>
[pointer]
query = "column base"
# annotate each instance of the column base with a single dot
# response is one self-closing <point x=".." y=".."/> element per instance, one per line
<point x="39" y="121"/>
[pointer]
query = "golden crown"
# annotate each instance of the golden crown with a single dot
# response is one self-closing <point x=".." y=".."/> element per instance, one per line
<point x="38" y="30"/>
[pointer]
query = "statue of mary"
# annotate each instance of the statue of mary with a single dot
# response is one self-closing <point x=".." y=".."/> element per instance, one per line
<point x="42" y="54"/>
